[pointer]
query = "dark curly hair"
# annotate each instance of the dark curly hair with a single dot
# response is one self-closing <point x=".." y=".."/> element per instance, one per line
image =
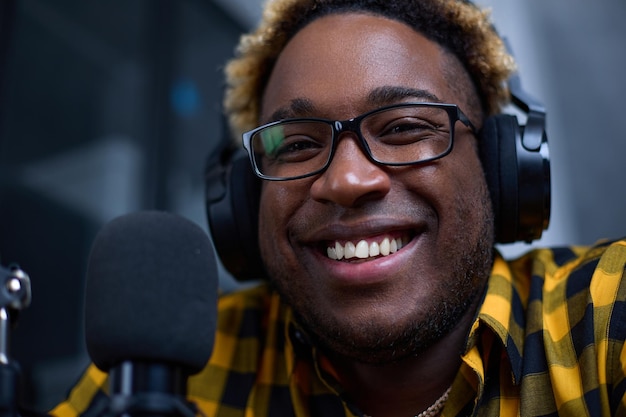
<point x="459" y="26"/>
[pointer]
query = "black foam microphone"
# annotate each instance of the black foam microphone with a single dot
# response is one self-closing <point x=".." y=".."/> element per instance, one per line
<point x="150" y="311"/>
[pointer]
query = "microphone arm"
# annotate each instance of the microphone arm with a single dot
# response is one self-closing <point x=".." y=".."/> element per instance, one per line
<point x="15" y="295"/>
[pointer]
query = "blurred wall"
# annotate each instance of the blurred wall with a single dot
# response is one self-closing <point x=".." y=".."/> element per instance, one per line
<point x="571" y="56"/>
<point x="106" y="107"/>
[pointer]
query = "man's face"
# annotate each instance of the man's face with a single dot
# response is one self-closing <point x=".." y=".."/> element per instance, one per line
<point x="380" y="308"/>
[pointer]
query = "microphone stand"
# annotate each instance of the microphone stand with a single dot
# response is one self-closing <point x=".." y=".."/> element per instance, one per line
<point x="15" y="295"/>
<point x="149" y="389"/>
<point x="142" y="389"/>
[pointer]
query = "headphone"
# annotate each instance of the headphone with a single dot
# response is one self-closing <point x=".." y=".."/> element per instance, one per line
<point x="515" y="160"/>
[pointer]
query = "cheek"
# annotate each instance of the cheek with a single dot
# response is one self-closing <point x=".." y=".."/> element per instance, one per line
<point x="474" y="175"/>
<point x="282" y="207"/>
<point x="269" y="221"/>
<point x="472" y="197"/>
<point x="468" y="173"/>
<point x="279" y="204"/>
<point x="465" y="203"/>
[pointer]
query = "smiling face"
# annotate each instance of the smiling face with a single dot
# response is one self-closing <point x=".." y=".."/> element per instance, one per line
<point x="382" y="307"/>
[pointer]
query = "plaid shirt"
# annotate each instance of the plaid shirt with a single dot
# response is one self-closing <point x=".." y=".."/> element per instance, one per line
<point x="548" y="340"/>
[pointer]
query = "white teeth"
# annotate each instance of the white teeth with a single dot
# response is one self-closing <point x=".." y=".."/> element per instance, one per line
<point x="374" y="249"/>
<point x="349" y="250"/>
<point x="384" y="247"/>
<point x="339" y="250"/>
<point x="394" y="246"/>
<point x="363" y="250"/>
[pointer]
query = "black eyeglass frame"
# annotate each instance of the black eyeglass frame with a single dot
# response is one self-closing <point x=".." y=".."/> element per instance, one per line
<point x="354" y="125"/>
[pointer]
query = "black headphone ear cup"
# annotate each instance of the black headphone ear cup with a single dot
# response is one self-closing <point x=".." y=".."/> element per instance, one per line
<point x="232" y="205"/>
<point x="517" y="168"/>
<point x="498" y="152"/>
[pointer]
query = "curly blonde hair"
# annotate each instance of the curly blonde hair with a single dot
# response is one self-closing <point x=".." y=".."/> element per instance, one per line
<point x="458" y="26"/>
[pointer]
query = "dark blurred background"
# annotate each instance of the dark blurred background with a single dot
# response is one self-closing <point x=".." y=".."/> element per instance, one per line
<point x="108" y="107"/>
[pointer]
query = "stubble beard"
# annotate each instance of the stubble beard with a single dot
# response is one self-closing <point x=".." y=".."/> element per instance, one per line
<point x="453" y="298"/>
<point x="377" y="344"/>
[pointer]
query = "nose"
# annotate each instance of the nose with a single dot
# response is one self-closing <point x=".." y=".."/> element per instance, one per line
<point x="351" y="179"/>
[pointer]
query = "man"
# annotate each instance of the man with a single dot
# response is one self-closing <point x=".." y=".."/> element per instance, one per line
<point x="376" y="228"/>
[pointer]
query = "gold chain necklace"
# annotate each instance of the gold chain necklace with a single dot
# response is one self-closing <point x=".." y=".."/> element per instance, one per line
<point x="435" y="408"/>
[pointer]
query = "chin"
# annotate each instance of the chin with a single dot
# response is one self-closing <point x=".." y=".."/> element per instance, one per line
<point x="349" y="333"/>
<point x="383" y="343"/>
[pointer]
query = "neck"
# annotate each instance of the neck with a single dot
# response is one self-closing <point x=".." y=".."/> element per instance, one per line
<point x="406" y="387"/>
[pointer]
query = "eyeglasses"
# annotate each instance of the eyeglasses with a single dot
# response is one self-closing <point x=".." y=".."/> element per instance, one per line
<point x="396" y="135"/>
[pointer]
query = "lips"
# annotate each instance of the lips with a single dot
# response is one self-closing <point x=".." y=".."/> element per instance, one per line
<point x="365" y="248"/>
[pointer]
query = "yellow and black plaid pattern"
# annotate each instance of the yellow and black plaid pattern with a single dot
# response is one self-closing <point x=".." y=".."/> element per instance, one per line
<point x="548" y="341"/>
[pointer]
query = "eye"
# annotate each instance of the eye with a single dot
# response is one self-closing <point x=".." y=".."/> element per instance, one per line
<point x="297" y="148"/>
<point x="407" y="130"/>
<point x="408" y="124"/>
<point x="295" y="141"/>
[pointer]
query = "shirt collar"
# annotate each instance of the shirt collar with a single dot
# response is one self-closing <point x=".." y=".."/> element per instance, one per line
<point x="502" y="313"/>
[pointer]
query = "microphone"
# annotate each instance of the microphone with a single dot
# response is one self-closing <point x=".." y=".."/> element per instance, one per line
<point x="15" y="295"/>
<point x="150" y="311"/>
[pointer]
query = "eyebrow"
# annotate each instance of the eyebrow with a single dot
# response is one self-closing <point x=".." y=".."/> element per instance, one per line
<point x="385" y="95"/>
<point x="298" y="107"/>
<point x="379" y="97"/>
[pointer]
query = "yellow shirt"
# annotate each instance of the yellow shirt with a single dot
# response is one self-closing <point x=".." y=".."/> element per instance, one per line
<point x="548" y="340"/>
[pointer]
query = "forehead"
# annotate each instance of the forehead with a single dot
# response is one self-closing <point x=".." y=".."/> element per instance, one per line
<point x="336" y="62"/>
